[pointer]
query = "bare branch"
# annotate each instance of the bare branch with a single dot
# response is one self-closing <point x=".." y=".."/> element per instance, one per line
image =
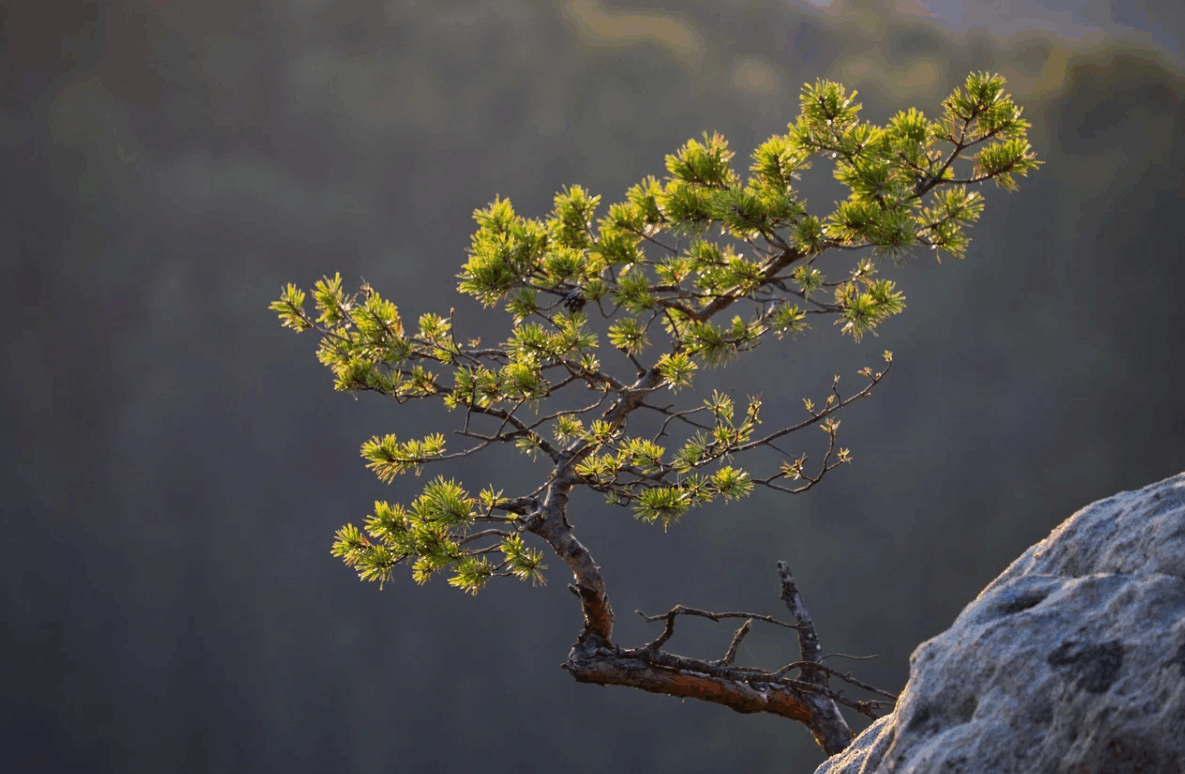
<point x="681" y="610"/>
<point x="570" y="412"/>
<point x="845" y="676"/>
<point x="827" y="723"/>
<point x="508" y="418"/>
<point x="831" y="409"/>
<point x="731" y="654"/>
<point x="672" y="415"/>
<point x="484" y="533"/>
<point x="652" y="669"/>
<point x="847" y="656"/>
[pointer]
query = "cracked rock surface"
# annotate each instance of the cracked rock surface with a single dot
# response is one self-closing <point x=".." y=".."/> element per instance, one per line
<point x="1072" y="660"/>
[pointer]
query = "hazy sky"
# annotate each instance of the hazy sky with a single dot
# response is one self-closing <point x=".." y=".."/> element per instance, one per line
<point x="1160" y="21"/>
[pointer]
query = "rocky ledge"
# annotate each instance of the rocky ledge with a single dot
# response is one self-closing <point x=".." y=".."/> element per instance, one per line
<point x="1072" y="661"/>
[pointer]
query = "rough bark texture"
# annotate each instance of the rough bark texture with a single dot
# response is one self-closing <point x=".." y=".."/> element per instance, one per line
<point x="588" y="584"/>
<point x="592" y="660"/>
<point x="826" y="722"/>
<point x="551" y="522"/>
<point x="1072" y="660"/>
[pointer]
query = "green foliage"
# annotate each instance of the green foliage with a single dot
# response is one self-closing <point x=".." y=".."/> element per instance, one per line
<point x="434" y="534"/>
<point x="685" y="272"/>
<point x="388" y="458"/>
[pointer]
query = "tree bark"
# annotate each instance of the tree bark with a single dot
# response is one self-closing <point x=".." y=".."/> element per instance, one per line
<point x="593" y="660"/>
<point x="549" y="523"/>
<point x="826" y="722"/>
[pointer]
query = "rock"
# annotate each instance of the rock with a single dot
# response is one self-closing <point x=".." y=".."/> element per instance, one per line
<point x="1072" y="661"/>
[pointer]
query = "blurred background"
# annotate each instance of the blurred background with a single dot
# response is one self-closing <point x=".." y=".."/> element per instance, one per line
<point x="175" y="463"/>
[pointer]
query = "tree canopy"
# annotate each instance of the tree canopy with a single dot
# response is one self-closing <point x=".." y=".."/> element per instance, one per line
<point x="685" y="272"/>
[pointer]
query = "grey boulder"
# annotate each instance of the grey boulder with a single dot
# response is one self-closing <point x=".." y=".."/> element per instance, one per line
<point x="1070" y="662"/>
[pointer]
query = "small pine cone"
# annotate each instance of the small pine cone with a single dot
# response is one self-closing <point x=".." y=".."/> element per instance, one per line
<point x="574" y="301"/>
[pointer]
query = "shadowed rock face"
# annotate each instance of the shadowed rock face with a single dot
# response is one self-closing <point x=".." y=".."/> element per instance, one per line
<point x="1072" y="660"/>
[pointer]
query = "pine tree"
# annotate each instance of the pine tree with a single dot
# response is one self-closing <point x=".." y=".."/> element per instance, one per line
<point x="684" y="273"/>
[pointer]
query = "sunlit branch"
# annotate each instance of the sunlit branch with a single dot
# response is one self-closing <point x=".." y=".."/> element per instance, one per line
<point x="567" y="412"/>
<point x="811" y="482"/>
<point x="484" y="533"/>
<point x="678" y="610"/>
<point x="673" y="415"/>
<point x="507" y="418"/>
<point x="828" y="410"/>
